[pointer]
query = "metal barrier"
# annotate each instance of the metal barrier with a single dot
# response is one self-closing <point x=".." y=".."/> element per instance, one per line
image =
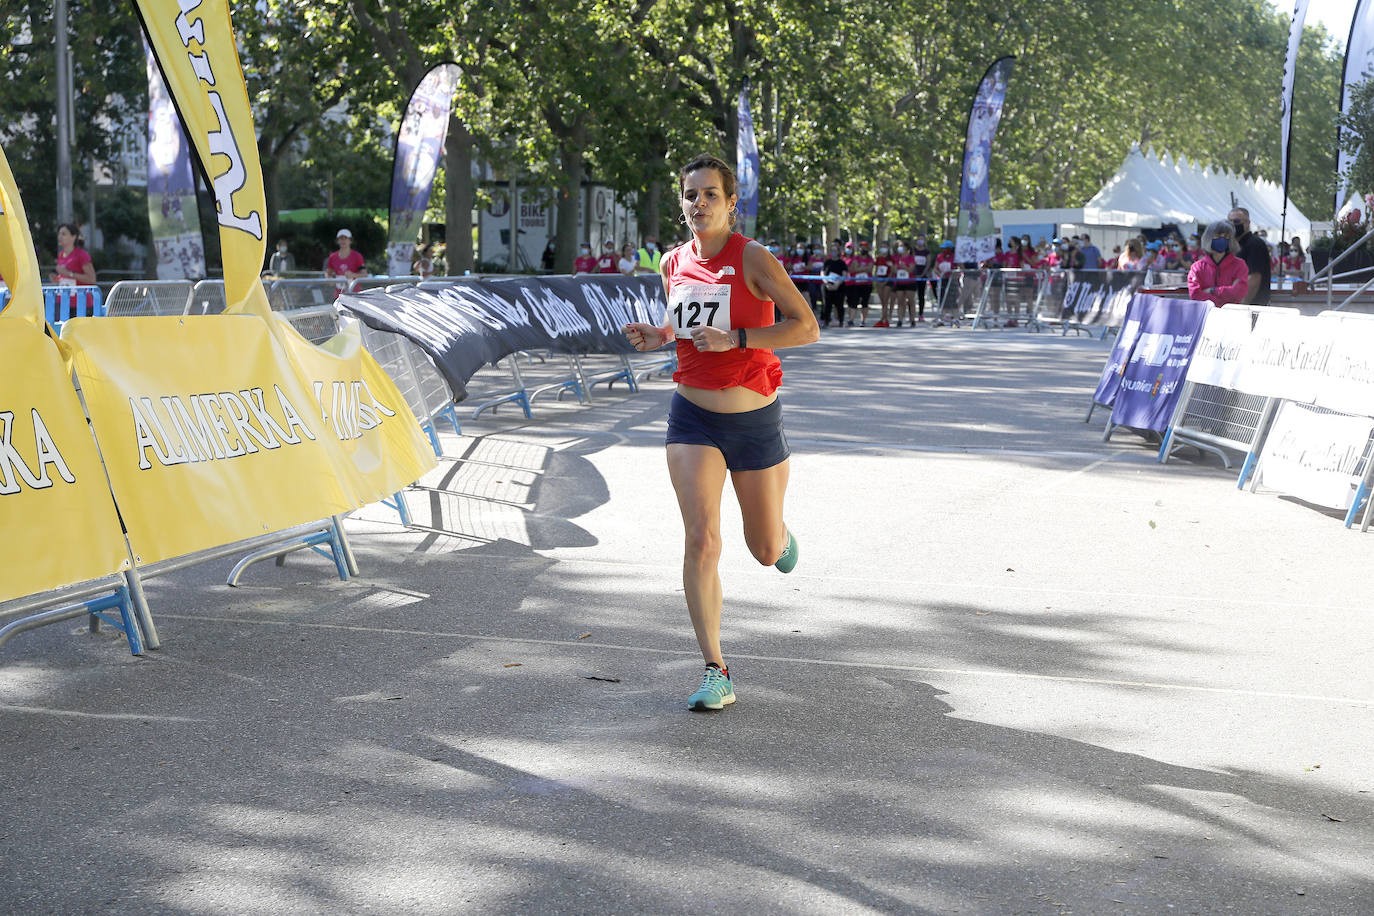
<point x="1085" y="300"/>
<point x="1213" y="419"/>
<point x="62" y="303"/>
<point x="287" y="295"/>
<point x="92" y="600"/>
<point x="316" y="324"/>
<point x="207" y="298"/>
<point x="1007" y="297"/>
<point x="137" y="298"/>
<point x="363" y="283"/>
<point x="410" y="368"/>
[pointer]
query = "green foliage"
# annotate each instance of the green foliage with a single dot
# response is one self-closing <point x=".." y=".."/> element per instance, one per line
<point x="859" y="105"/>
<point x="1357" y="136"/>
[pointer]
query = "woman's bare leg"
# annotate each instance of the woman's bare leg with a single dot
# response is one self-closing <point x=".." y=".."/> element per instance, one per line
<point x="698" y="476"/>
<point x="760" y="495"/>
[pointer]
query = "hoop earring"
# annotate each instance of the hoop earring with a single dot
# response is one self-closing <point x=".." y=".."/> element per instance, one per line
<point x="682" y="219"/>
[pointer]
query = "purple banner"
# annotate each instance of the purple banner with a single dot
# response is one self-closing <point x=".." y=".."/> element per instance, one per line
<point x="747" y="167"/>
<point x="172" y="209"/>
<point x="1153" y="376"/>
<point x="1110" y="382"/>
<point x="976" y="235"/>
<point x="418" y="144"/>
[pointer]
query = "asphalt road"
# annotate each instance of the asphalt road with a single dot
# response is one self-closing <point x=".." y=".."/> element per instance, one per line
<point x="1017" y="670"/>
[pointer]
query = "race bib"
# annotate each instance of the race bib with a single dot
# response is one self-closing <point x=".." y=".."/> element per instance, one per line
<point x="695" y="305"/>
<point x="861" y="276"/>
<point x="902" y="274"/>
<point x="920" y="260"/>
<point x="882" y="271"/>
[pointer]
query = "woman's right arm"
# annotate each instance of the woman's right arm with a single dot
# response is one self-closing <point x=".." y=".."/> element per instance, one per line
<point x="645" y="336"/>
<point x="1195" y="290"/>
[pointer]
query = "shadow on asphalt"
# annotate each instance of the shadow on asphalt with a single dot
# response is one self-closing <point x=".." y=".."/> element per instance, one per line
<point x="439" y="734"/>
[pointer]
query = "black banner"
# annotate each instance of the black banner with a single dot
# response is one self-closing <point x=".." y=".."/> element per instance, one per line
<point x="1089" y="297"/>
<point x="469" y="324"/>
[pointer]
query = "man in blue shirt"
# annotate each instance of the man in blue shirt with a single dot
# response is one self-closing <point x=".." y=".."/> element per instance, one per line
<point x="1092" y="258"/>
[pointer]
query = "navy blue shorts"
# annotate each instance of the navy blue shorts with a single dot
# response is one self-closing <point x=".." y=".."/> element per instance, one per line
<point x="750" y="441"/>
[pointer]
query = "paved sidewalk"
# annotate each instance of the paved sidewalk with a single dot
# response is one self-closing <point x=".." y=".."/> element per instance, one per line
<point x="1017" y="670"/>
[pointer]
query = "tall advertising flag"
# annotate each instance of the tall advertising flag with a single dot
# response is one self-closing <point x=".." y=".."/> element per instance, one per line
<point x="747" y="166"/>
<point x="418" y="143"/>
<point x="975" y="235"/>
<point x="1290" y="65"/>
<point x="18" y="261"/>
<point x="194" y="45"/>
<point x="1359" y="56"/>
<point x="172" y="209"/>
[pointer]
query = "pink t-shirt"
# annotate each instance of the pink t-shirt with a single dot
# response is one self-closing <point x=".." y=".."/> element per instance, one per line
<point x="75" y="262"/>
<point x="340" y="265"/>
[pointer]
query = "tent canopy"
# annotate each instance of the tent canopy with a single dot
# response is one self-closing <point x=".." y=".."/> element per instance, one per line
<point x="1182" y="192"/>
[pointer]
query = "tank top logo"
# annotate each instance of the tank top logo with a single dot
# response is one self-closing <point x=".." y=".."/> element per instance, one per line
<point x="694" y="305"/>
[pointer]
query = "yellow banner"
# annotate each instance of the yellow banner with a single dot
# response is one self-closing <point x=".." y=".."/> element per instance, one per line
<point x="360" y="404"/>
<point x="18" y="260"/>
<point x="194" y="44"/>
<point x="56" y="515"/>
<point x="220" y="438"/>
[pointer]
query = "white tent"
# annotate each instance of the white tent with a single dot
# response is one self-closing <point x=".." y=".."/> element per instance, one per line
<point x="1184" y="192"/>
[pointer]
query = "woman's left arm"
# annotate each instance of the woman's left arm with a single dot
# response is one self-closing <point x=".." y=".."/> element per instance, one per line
<point x="768" y="280"/>
<point x="86" y="275"/>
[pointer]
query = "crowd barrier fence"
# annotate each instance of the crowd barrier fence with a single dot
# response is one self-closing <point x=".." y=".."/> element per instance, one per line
<point x="423" y="387"/>
<point x="1213" y="419"/>
<point x="135" y="298"/>
<point x="207" y="298"/>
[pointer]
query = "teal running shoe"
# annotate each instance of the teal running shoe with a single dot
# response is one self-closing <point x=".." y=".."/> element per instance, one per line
<point x="716" y="691"/>
<point x="788" y="561"/>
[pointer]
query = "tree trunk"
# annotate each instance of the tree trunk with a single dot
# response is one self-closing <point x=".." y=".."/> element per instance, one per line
<point x="569" y="195"/>
<point x="832" y="214"/>
<point x="458" y="197"/>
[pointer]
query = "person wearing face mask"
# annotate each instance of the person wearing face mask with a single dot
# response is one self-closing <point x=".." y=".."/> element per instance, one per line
<point x="927" y="276"/>
<point x="835" y="268"/>
<point x="606" y="262"/>
<point x="650" y="258"/>
<point x="584" y="263"/>
<point x="1219" y="276"/>
<point x="904" y="285"/>
<point x="1255" y="253"/>
<point x="281" y="261"/>
<point x="629" y="261"/>
<point x="794" y="262"/>
<point x="882" y="275"/>
<point x="860" y="288"/>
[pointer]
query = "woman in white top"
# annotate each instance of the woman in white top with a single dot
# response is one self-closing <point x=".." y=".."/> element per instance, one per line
<point x="629" y="261"/>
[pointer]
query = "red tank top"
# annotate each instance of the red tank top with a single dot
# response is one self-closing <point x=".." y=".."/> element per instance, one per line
<point x="712" y="291"/>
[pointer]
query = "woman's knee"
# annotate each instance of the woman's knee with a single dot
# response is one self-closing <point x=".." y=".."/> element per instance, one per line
<point x="702" y="546"/>
<point x="766" y="548"/>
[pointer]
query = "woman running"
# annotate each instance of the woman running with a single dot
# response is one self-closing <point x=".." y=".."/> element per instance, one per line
<point x="722" y="289"/>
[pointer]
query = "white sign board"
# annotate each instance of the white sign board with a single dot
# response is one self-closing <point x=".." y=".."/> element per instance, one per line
<point x="1285" y="356"/>
<point x="1314" y="456"/>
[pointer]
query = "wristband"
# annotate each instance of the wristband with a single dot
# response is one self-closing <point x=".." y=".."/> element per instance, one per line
<point x="742" y="344"/>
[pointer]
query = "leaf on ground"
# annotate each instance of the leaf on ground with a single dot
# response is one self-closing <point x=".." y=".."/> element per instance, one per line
<point x="395" y="698"/>
<point x="1330" y="818"/>
<point x="1152" y="524"/>
<point x="597" y="677"/>
<point x="583" y="635"/>
<point x="1009" y="569"/>
<point x="511" y="665"/>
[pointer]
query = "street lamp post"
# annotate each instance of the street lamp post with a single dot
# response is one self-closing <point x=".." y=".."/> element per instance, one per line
<point x="64" y="115"/>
